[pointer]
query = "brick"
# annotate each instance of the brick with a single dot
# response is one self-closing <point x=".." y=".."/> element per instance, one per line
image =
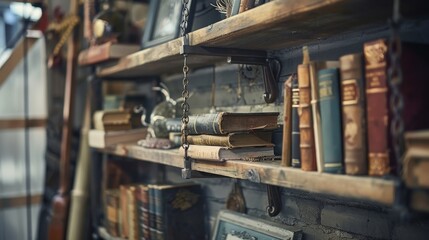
<point x="354" y="220"/>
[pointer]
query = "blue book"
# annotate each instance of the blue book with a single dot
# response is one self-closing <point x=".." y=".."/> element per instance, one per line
<point x="295" y="139"/>
<point x="330" y="118"/>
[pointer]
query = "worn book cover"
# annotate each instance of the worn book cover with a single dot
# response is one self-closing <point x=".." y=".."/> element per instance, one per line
<point x="220" y="154"/>
<point x="112" y="120"/>
<point x="179" y="210"/>
<point x="233" y="140"/>
<point x="112" y="206"/>
<point x="353" y="113"/>
<point x="227" y="122"/>
<point x="142" y="204"/>
<point x="315" y="66"/>
<point x="308" y="152"/>
<point x="414" y="62"/>
<point x="330" y="120"/>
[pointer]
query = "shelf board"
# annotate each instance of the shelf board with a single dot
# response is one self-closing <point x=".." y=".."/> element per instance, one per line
<point x="105" y="52"/>
<point x="363" y="188"/>
<point x="274" y="25"/>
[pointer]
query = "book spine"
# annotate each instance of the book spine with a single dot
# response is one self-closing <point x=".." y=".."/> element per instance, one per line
<point x="205" y="124"/>
<point x="123" y="213"/>
<point x="145" y="213"/>
<point x="308" y="156"/>
<point x="204" y="152"/>
<point x="295" y="137"/>
<point x="139" y="211"/>
<point x="330" y="113"/>
<point x="315" y="109"/>
<point x="287" y="112"/>
<point x="159" y="214"/>
<point x="152" y="222"/>
<point x="354" y="127"/>
<point x="112" y="209"/>
<point x="211" y="140"/>
<point x="132" y="226"/>
<point x="243" y="6"/>
<point x="377" y="107"/>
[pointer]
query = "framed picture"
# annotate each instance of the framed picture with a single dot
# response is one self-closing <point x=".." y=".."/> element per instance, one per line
<point x="238" y="226"/>
<point x="164" y="20"/>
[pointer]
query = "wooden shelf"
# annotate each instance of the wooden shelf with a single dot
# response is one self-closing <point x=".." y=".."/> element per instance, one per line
<point x="105" y="52"/>
<point x="363" y="188"/>
<point x="274" y="25"/>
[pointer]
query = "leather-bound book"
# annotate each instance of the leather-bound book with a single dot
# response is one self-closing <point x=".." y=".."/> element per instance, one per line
<point x="142" y="198"/>
<point x="315" y="66"/>
<point x="295" y="137"/>
<point x="132" y="213"/>
<point x="353" y="113"/>
<point x="112" y="211"/>
<point x="377" y="107"/>
<point x="227" y="122"/>
<point x="415" y="115"/>
<point x="287" y="124"/>
<point x="308" y="155"/>
<point x="330" y="114"/>
<point x="233" y="140"/>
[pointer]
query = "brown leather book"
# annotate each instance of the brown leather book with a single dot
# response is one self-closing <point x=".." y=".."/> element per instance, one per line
<point x="353" y="111"/>
<point x="112" y="212"/>
<point x="377" y="107"/>
<point x="243" y="6"/>
<point x="233" y="140"/>
<point x="123" y="216"/>
<point x="308" y="154"/>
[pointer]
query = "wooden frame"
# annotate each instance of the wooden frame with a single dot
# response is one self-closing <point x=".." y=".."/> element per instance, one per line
<point x="164" y="20"/>
<point x="238" y="226"/>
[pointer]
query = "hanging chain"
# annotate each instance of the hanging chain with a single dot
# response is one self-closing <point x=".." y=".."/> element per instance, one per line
<point x="186" y="172"/>
<point x="395" y="81"/>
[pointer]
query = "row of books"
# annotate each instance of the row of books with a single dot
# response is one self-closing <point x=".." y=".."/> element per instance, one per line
<point x="337" y="113"/>
<point x="155" y="211"/>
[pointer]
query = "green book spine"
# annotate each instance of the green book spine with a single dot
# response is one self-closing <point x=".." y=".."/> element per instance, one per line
<point x="330" y="113"/>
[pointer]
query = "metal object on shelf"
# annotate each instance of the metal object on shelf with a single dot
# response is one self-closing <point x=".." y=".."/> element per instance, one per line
<point x="274" y="200"/>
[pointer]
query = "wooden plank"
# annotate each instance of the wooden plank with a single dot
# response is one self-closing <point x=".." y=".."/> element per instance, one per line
<point x="21" y="123"/>
<point x="274" y="25"/>
<point x="15" y="58"/>
<point x="20" y="201"/>
<point x="105" y="52"/>
<point x="364" y="188"/>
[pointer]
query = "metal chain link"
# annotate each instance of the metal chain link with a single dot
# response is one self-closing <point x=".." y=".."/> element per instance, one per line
<point x="186" y="172"/>
<point x="395" y="81"/>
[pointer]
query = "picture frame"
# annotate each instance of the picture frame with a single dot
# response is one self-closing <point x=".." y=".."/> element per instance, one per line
<point x="164" y="21"/>
<point x="238" y="226"/>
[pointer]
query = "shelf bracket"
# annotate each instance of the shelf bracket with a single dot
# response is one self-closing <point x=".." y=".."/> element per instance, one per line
<point x="271" y="66"/>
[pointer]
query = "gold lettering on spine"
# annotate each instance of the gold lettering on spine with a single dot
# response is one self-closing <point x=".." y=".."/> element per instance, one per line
<point x="350" y="92"/>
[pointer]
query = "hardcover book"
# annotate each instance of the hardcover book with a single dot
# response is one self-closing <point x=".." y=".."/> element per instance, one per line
<point x="220" y="154"/>
<point x="308" y="154"/>
<point x="227" y="122"/>
<point x="142" y="198"/>
<point x="233" y="140"/>
<point x="414" y="62"/>
<point x="315" y="108"/>
<point x="102" y="139"/>
<point x="180" y="211"/>
<point x="295" y="137"/>
<point x="353" y="113"/>
<point x="377" y="107"/>
<point x="112" y="120"/>
<point x="330" y="114"/>
<point x="112" y="211"/>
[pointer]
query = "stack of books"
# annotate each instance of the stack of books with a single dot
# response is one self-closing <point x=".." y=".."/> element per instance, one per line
<point x="338" y="113"/>
<point x="231" y="136"/>
<point x="114" y="126"/>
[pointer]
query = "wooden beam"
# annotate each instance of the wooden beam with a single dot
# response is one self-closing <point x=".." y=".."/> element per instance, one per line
<point x="12" y="202"/>
<point x="17" y="55"/>
<point x="270" y="172"/>
<point x="21" y="123"/>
